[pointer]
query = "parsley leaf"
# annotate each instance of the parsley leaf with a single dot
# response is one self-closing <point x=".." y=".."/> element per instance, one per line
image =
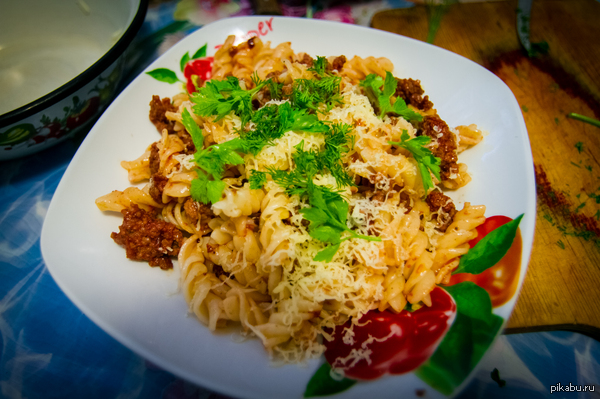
<point x="373" y="84"/>
<point x="206" y="191"/>
<point x="192" y="128"/>
<point x="426" y="161"/>
<point x="214" y="158"/>
<point x="211" y="162"/>
<point x="220" y="97"/>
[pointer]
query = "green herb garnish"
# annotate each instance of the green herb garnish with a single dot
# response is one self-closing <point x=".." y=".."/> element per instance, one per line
<point x="583" y="118"/>
<point x="328" y="211"/>
<point x="319" y="66"/>
<point x="313" y="94"/>
<point x="272" y="121"/>
<point x="426" y="161"/>
<point x="220" y="97"/>
<point x="211" y="163"/>
<point x="382" y="97"/>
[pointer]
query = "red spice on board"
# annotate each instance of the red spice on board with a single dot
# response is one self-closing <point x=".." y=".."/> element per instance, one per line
<point x="557" y="201"/>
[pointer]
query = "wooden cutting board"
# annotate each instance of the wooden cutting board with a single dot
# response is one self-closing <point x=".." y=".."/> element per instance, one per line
<point x="562" y="287"/>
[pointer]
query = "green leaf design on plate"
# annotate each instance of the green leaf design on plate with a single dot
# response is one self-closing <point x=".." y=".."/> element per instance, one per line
<point x="184" y="60"/>
<point x="469" y="337"/>
<point x="200" y="53"/>
<point x="490" y="249"/>
<point x="321" y="383"/>
<point x="164" y="75"/>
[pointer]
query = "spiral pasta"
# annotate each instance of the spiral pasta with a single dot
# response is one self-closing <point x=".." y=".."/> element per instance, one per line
<point x="253" y="256"/>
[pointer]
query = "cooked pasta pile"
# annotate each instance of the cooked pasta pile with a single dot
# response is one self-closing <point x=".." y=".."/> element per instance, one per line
<point x="312" y="200"/>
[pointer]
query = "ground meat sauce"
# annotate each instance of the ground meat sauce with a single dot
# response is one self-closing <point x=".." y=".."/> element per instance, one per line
<point x="442" y="206"/>
<point x="158" y="108"/>
<point x="445" y="149"/>
<point x="147" y="238"/>
<point x="337" y="64"/>
<point x="191" y="210"/>
<point x="187" y="140"/>
<point x="157" y="185"/>
<point x="411" y="92"/>
<point x="154" y="159"/>
<point x="307" y="60"/>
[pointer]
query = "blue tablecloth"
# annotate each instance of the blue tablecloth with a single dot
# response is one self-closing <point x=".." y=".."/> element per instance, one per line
<point x="50" y="349"/>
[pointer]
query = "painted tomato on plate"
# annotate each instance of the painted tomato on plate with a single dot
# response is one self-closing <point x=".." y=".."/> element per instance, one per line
<point x="197" y="71"/>
<point x="388" y="343"/>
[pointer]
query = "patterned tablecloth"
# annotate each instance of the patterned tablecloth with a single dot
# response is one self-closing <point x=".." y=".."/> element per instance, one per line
<point x="50" y="349"/>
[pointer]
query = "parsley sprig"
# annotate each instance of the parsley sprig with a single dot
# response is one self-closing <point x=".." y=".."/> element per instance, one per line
<point x="220" y="97"/>
<point x="373" y="84"/>
<point x="426" y="161"/>
<point x="211" y="162"/>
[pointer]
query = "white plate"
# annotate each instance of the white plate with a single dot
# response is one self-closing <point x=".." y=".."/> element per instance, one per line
<point x="139" y="305"/>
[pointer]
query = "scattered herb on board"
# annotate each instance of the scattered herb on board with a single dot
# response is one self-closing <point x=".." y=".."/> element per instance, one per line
<point x="583" y="226"/>
<point x="583" y="118"/>
<point x="580" y="206"/>
<point x="524" y="108"/>
<point x="579" y="146"/>
<point x="560" y="244"/>
<point x="436" y="11"/>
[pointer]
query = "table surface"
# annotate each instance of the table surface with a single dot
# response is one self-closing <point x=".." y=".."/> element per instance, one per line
<point x="562" y="287"/>
<point x="48" y="348"/>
